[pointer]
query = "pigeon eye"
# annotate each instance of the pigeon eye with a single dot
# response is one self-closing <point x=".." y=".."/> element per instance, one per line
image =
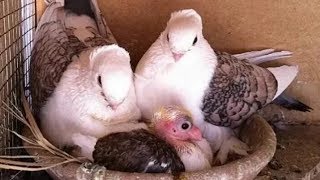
<point x="168" y="37"/>
<point x="195" y="40"/>
<point x="99" y="81"/>
<point x="186" y="125"/>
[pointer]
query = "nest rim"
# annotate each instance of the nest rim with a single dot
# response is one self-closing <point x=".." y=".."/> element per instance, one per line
<point x="257" y="133"/>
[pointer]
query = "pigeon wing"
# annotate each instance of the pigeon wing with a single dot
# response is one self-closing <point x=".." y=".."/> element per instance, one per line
<point x="236" y="90"/>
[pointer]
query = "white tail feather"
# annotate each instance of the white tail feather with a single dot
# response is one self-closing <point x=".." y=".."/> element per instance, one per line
<point x="50" y="14"/>
<point x="270" y="57"/>
<point x="99" y="19"/>
<point x="258" y="57"/>
<point x="253" y="54"/>
<point x="101" y="22"/>
<point x="284" y="75"/>
<point x="48" y="2"/>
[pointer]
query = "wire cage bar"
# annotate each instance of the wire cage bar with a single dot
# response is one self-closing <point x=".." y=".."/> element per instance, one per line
<point x="17" y="26"/>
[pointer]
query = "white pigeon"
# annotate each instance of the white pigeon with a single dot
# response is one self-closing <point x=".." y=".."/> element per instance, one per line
<point x="81" y="81"/>
<point x="220" y="91"/>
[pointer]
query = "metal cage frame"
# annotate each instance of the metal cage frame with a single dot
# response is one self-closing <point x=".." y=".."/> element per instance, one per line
<point x="17" y="27"/>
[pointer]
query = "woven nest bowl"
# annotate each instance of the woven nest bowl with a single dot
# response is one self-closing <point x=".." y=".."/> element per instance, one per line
<point x="257" y="133"/>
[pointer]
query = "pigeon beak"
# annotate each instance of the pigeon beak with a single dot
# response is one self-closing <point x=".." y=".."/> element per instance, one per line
<point x="195" y="133"/>
<point x="177" y="56"/>
<point x="114" y="106"/>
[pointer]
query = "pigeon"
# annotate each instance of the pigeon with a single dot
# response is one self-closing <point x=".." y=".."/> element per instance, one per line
<point x="266" y="55"/>
<point x="221" y="92"/>
<point x="170" y="144"/>
<point x="81" y="80"/>
<point x="174" y="124"/>
<point x="137" y="151"/>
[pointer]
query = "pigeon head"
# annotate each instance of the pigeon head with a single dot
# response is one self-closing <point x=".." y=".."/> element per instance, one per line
<point x="183" y="32"/>
<point x="112" y="73"/>
<point x="174" y="124"/>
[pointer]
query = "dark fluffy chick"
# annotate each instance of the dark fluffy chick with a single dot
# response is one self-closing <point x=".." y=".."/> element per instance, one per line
<point x="136" y="151"/>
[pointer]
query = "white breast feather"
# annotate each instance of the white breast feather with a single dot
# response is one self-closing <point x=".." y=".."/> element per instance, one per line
<point x="160" y="81"/>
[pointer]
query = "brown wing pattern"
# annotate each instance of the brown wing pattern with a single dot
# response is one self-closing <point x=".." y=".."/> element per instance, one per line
<point x="236" y="91"/>
<point x="133" y="151"/>
<point x="97" y="39"/>
<point x="52" y="52"/>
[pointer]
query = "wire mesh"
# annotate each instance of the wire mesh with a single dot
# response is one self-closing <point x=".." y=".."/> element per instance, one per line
<point x="17" y="25"/>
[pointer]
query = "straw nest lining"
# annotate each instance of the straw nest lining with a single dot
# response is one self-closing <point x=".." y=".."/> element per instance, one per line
<point x="32" y="140"/>
<point x="256" y="133"/>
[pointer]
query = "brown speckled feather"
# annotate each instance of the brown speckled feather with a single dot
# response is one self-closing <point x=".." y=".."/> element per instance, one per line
<point x="136" y="151"/>
<point x="236" y="91"/>
<point x="52" y="53"/>
<point x="54" y="49"/>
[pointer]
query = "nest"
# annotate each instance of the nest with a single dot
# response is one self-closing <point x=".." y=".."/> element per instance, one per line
<point x="257" y="133"/>
<point x="33" y="140"/>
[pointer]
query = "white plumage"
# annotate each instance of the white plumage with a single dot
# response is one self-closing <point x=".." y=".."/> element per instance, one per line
<point x="178" y="68"/>
<point x="197" y="156"/>
<point x="80" y="104"/>
<point x="284" y="75"/>
<point x="82" y="83"/>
